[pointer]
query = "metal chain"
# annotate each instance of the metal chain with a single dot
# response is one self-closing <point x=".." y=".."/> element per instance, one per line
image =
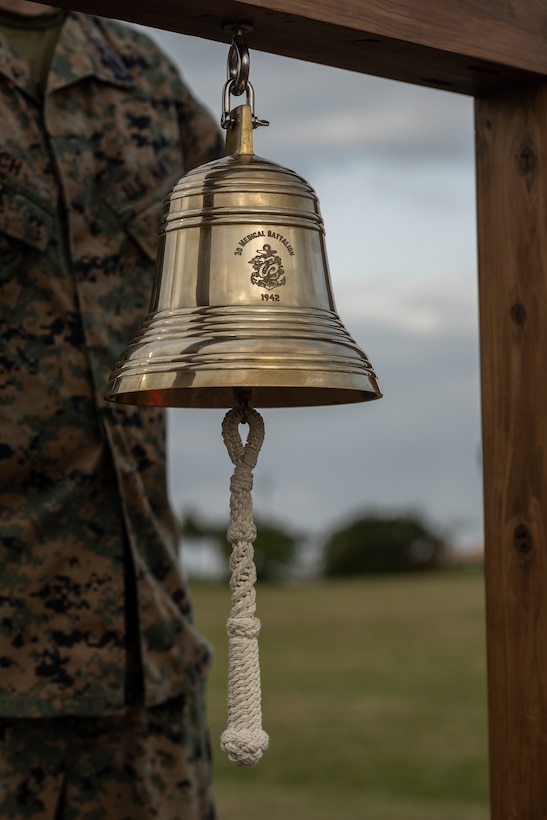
<point x="237" y="72"/>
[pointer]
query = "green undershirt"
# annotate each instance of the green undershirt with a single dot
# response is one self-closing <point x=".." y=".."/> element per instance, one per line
<point x="34" y="38"/>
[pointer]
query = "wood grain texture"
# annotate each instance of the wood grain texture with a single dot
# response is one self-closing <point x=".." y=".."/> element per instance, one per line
<point x="512" y="214"/>
<point x="468" y="46"/>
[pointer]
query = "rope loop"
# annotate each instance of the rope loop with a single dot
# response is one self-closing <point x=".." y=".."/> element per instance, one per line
<point x="243" y="454"/>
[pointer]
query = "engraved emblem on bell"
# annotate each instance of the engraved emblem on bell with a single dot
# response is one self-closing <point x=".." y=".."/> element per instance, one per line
<point x="268" y="271"/>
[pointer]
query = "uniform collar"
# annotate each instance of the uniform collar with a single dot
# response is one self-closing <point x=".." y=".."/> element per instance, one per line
<point x="15" y="68"/>
<point x="82" y="51"/>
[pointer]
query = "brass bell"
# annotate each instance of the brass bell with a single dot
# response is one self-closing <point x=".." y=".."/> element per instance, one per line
<point x="242" y="303"/>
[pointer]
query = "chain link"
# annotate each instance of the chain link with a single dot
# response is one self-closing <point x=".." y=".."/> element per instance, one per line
<point x="238" y="64"/>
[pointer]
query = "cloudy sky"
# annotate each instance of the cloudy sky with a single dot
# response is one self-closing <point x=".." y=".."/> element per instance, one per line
<point x="392" y="165"/>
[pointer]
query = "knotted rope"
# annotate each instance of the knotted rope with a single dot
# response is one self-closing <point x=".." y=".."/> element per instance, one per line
<point x="244" y="740"/>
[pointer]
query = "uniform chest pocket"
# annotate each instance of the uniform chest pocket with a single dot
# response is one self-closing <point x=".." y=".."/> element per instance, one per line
<point x="24" y="219"/>
<point x="137" y="202"/>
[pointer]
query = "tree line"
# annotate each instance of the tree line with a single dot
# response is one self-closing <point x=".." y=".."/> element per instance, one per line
<point x="371" y="543"/>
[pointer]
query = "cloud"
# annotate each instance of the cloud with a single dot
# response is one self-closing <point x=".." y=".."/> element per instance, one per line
<point x="421" y="307"/>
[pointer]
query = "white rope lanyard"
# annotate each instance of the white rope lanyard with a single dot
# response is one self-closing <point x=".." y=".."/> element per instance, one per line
<point x="244" y="740"/>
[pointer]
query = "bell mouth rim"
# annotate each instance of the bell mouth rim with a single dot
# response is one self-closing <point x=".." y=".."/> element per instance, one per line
<point x="283" y="383"/>
<point x="218" y="398"/>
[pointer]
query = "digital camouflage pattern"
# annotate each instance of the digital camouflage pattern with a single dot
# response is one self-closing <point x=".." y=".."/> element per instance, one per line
<point x="83" y="174"/>
<point x="136" y="766"/>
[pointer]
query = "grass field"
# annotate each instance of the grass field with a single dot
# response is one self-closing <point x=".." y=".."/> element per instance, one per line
<point x="374" y="697"/>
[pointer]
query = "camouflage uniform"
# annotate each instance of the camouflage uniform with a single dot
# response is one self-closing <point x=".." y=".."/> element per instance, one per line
<point x="84" y="169"/>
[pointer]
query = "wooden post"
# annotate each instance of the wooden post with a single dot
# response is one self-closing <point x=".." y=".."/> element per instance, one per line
<point x="512" y="220"/>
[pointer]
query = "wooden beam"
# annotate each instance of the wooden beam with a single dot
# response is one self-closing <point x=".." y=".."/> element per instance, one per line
<point x="468" y="46"/>
<point x="512" y="212"/>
